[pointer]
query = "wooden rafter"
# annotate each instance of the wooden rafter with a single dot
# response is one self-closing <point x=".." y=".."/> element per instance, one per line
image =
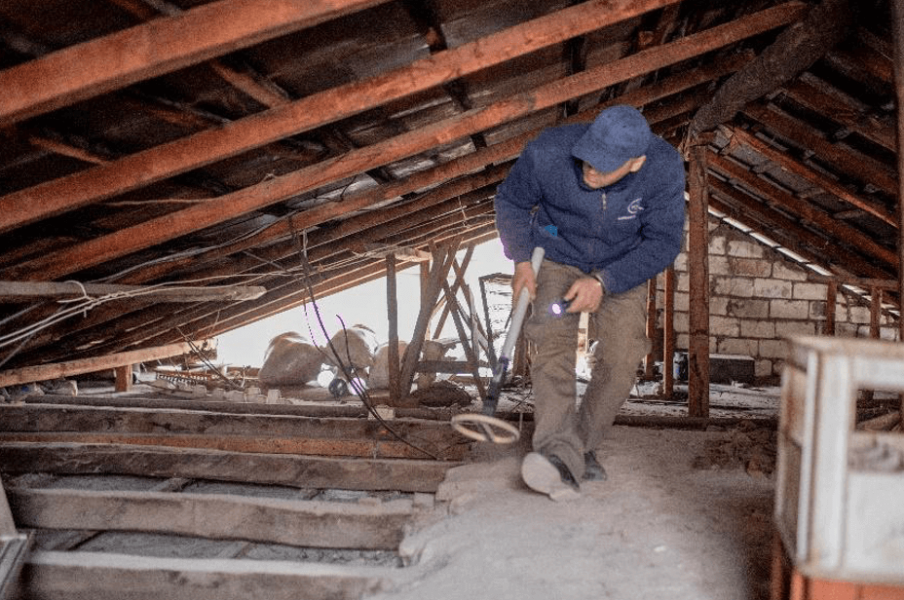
<point x="168" y="160"/>
<point x="155" y="48"/>
<point x="161" y="229"/>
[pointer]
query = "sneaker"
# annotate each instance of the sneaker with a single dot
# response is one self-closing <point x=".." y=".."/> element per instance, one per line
<point x="593" y="470"/>
<point x="549" y="475"/>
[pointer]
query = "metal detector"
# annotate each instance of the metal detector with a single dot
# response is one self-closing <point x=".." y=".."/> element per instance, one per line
<point x="484" y="426"/>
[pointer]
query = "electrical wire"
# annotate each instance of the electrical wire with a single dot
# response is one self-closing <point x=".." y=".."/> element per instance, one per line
<point x="348" y="371"/>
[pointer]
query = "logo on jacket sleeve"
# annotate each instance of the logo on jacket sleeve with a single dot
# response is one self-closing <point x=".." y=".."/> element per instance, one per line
<point x="633" y="210"/>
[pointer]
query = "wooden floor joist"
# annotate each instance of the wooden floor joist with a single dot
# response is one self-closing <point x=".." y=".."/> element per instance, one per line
<point x="217" y="516"/>
<point x="407" y="475"/>
<point x="103" y="576"/>
<point x="276" y="434"/>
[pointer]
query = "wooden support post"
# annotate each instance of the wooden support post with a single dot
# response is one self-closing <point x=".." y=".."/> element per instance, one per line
<point x="651" y="327"/>
<point x="123" y="378"/>
<point x="698" y="271"/>
<point x="897" y="26"/>
<point x="875" y="312"/>
<point x="430" y="289"/>
<point x="668" y="335"/>
<point x="392" y="304"/>
<point x="831" y="299"/>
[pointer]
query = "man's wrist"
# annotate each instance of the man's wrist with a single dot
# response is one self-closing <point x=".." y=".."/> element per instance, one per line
<point x="598" y="275"/>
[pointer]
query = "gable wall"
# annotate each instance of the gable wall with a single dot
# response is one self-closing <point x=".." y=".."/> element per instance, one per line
<point x="759" y="298"/>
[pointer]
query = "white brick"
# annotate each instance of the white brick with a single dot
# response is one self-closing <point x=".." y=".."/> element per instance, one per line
<point x="763" y="368"/>
<point x="718" y="265"/>
<point x="809" y="291"/>
<point x="682" y="282"/>
<point x="682" y="301"/>
<point x="744" y="249"/>
<point x="818" y="310"/>
<point x="680" y="263"/>
<point x="733" y="286"/>
<point x="750" y="267"/>
<point x="789" y="271"/>
<point x="773" y="349"/>
<point x="789" y="309"/>
<point x="682" y="341"/>
<point x="738" y="346"/>
<point x="771" y="288"/>
<point x="717" y="244"/>
<point x="724" y="326"/>
<point x="858" y="314"/>
<point x="718" y="305"/>
<point x="749" y="309"/>
<point x="889" y="333"/>
<point x="681" y="323"/>
<point x="793" y="328"/>
<point x="758" y="329"/>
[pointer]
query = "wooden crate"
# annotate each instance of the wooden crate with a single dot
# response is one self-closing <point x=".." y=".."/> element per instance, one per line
<point x="839" y="506"/>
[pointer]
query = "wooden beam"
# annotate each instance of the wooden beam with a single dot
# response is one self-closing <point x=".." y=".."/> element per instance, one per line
<point x="668" y="332"/>
<point x="216" y="516"/>
<point x="818" y="95"/>
<point x="698" y="282"/>
<point x="229" y="206"/>
<point x="405" y="475"/>
<point x="168" y="160"/>
<point x="21" y="291"/>
<point x="90" y="365"/>
<point x="802" y="209"/>
<point x="105" y="575"/>
<point x="897" y="19"/>
<point x="787" y="163"/>
<point x="854" y="164"/>
<point x="446" y="172"/>
<point x="794" y="50"/>
<point x="791" y="234"/>
<point x="155" y="48"/>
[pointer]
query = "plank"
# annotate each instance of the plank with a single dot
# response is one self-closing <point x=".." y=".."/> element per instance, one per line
<point x="160" y="46"/>
<point x="407" y="475"/>
<point x="217" y="516"/>
<point x="109" y="576"/>
<point x="90" y="365"/>
<point x="37" y="417"/>
<point x="21" y="291"/>
<point x="229" y="206"/>
<point x="171" y="159"/>
<point x="250" y="444"/>
<point x="233" y="408"/>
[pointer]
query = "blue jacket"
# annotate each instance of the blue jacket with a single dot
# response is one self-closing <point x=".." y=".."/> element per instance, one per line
<point x="624" y="233"/>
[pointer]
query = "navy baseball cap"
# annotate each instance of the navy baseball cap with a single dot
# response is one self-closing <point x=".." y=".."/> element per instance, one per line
<point x="617" y="135"/>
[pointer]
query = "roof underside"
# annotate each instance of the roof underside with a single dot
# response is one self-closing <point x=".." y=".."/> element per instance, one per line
<point x="281" y="143"/>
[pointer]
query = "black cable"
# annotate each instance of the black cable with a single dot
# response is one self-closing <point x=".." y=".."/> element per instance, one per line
<point x="359" y="391"/>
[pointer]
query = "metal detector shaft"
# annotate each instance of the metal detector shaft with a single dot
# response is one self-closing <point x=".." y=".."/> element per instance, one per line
<point x="505" y="356"/>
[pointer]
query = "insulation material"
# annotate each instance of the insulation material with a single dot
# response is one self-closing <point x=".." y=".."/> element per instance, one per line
<point x="379" y="373"/>
<point x="355" y="346"/>
<point x="291" y="359"/>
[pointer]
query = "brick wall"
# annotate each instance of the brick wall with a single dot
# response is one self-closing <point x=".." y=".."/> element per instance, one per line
<point x="759" y="298"/>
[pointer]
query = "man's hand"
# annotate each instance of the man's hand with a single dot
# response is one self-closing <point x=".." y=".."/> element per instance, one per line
<point x="523" y="278"/>
<point x="585" y="294"/>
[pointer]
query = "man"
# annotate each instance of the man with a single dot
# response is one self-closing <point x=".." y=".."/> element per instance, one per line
<point x="606" y="203"/>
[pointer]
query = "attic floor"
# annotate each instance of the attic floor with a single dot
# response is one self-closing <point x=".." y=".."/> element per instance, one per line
<point x="679" y="517"/>
<point x="684" y="514"/>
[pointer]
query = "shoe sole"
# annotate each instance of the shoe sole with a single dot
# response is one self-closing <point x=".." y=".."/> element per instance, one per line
<point x="542" y="476"/>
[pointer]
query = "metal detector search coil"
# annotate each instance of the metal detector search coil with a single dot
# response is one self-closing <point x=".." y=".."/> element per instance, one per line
<point x="481" y="427"/>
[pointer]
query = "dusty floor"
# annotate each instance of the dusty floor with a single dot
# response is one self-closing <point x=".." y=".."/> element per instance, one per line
<point x="684" y="514"/>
